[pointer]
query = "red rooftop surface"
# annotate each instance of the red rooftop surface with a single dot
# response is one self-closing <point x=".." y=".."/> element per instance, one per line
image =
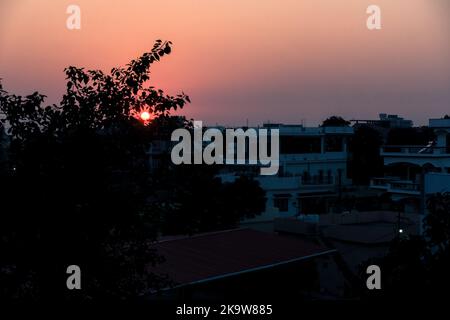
<point x="226" y="253"/>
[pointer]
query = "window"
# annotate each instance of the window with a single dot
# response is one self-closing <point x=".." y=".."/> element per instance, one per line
<point x="321" y="180"/>
<point x="306" y="177"/>
<point x="299" y="145"/>
<point x="334" y="144"/>
<point x="282" y="204"/>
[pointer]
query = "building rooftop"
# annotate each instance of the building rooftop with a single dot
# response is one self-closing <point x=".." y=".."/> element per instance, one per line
<point x="223" y="254"/>
<point x="386" y="121"/>
<point x="371" y="227"/>
<point x="300" y="130"/>
<point x="439" y="123"/>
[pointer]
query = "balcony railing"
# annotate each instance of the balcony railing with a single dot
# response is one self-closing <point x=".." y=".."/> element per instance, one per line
<point x="317" y="180"/>
<point x="279" y="183"/>
<point x="415" y="150"/>
<point x="394" y="184"/>
<point x="380" y="183"/>
<point x="408" y="187"/>
<point x="295" y="182"/>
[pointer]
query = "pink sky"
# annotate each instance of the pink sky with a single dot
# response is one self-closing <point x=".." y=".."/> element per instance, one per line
<point x="262" y="60"/>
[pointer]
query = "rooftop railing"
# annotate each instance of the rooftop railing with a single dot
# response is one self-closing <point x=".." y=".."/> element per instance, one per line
<point x="415" y="150"/>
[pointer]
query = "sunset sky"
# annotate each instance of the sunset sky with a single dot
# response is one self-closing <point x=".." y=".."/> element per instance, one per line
<point x="286" y="61"/>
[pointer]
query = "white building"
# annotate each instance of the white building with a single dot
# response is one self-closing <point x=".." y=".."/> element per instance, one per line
<point x="313" y="170"/>
<point x="414" y="172"/>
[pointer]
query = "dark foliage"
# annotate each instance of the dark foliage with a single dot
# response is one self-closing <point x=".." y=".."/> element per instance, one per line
<point x="416" y="267"/>
<point x="366" y="161"/>
<point x="335" y="121"/>
<point x="77" y="185"/>
<point x="199" y="202"/>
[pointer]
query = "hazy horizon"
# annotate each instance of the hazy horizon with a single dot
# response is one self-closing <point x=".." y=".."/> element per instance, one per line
<point x="287" y="61"/>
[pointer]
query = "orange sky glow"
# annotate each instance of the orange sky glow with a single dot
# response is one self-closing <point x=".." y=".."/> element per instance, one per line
<point x="262" y="60"/>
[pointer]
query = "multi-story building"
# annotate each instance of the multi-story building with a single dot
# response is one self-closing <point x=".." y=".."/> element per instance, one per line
<point x="312" y="172"/>
<point x="384" y="124"/>
<point x="412" y="173"/>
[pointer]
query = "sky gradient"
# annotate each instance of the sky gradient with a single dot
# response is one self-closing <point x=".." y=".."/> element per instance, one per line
<point x="286" y="61"/>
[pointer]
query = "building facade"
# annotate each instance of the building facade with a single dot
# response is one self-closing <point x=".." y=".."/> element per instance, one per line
<point x="412" y="173"/>
<point x="312" y="172"/>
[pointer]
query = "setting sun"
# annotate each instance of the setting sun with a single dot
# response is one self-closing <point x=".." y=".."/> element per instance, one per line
<point x="145" y="116"/>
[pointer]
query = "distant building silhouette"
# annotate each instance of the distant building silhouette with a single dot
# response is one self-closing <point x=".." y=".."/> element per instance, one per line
<point x="388" y="121"/>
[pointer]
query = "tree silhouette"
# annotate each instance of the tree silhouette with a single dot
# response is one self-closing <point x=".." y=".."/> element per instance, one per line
<point x="215" y="207"/>
<point x="335" y="121"/>
<point x="366" y="161"/>
<point x="78" y="189"/>
<point x="416" y="267"/>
